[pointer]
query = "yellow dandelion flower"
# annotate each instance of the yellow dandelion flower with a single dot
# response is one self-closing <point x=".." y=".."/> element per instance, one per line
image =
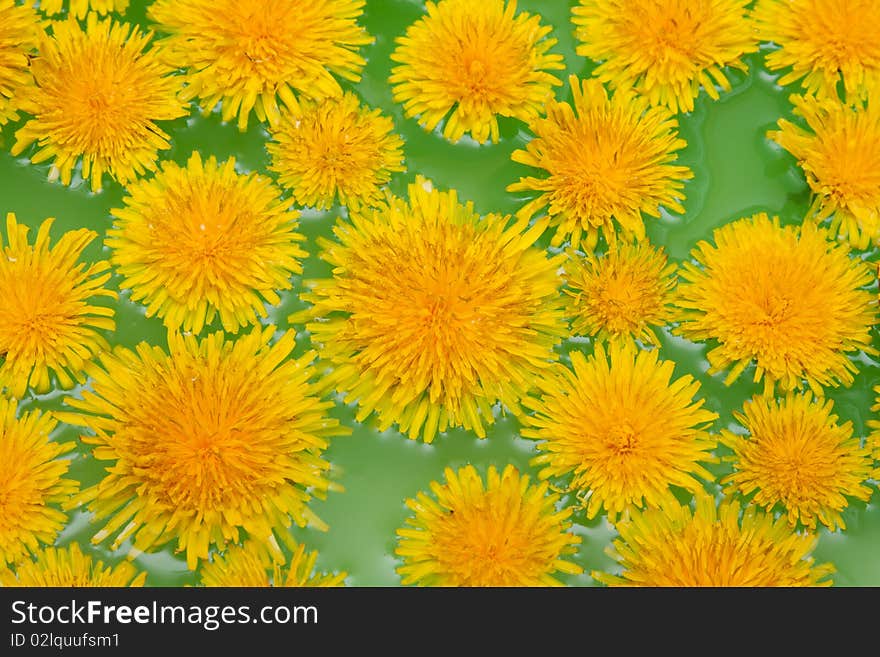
<point x="69" y="567"/>
<point x="874" y="438"/>
<point x="98" y="95"/>
<point x="625" y="292"/>
<point x="506" y="532"/>
<point x="798" y="455"/>
<point x="621" y="428"/>
<point x="215" y="437"/>
<point x="713" y="546"/>
<point x="201" y="241"/>
<point x="335" y="148"/>
<point x="477" y="60"/>
<point x="31" y="479"/>
<point x="248" y="54"/>
<point x="251" y="566"/>
<point x="783" y="297"/>
<point x="609" y="159"/>
<point x="667" y="50"/>
<point x="822" y="42"/>
<point x="46" y="321"/>
<point x="840" y="156"/>
<point x="79" y="8"/>
<point x="434" y="313"/>
<point x="19" y="33"/>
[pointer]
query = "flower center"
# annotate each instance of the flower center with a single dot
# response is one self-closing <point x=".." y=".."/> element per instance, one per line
<point x="31" y="320"/>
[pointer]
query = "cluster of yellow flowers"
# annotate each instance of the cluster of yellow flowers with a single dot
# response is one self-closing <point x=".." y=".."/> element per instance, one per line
<point x="434" y="316"/>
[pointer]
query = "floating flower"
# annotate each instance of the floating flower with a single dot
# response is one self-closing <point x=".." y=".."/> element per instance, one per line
<point x="822" y="42"/>
<point x="477" y="60"/>
<point x="621" y="428"/>
<point x="215" y="437"/>
<point x="251" y="566"/>
<point x="506" y="532"/>
<point x="713" y="546"/>
<point x="840" y="156"/>
<point x="202" y="241"/>
<point x="46" y="321"/>
<point x="69" y="567"/>
<point x="785" y="298"/>
<point x="98" y="95"/>
<point x="248" y="54"/>
<point x="434" y="313"/>
<point x="625" y="292"/>
<point x="608" y="159"/>
<point x="79" y="8"/>
<point x="335" y="148"/>
<point x="667" y="50"/>
<point x="19" y="30"/>
<point x="797" y="454"/>
<point x="874" y="438"/>
<point x="31" y="479"/>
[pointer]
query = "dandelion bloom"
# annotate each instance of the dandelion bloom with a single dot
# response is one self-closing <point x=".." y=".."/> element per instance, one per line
<point x="623" y="293"/>
<point x="47" y="322"/>
<point x="215" y="437"/>
<point x="621" y="428"/>
<point x="785" y="298"/>
<point x="19" y="34"/>
<point x="99" y="93"/>
<point x="822" y="42"/>
<point x="79" y="8"/>
<point x="667" y="50"/>
<point x="248" y="54"/>
<point x="874" y="438"/>
<point x="713" y="546"/>
<point x="471" y="62"/>
<point x="434" y="313"/>
<point x="31" y="480"/>
<point x="335" y="149"/>
<point x="69" y="567"/>
<point x="609" y="160"/>
<point x="840" y="155"/>
<point x="797" y="454"/>
<point x="249" y="565"/>
<point x="201" y="241"/>
<point x="504" y="532"/>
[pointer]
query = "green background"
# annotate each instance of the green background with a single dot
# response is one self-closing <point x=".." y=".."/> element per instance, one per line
<point x="737" y="173"/>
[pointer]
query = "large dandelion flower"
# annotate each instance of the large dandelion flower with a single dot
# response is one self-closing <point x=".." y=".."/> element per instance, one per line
<point x="506" y="532"/>
<point x="79" y="8"/>
<point x="785" y="298"/>
<point x="19" y="30"/>
<point x="667" y="50"/>
<point x="840" y="156"/>
<point x="798" y="455"/>
<point x="434" y="313"/>
<point x="248" y="54"/>
<point x="822" y="42"/>
<point x="477" y="60"/>
<point x="621" y="428"/>
<point x="713" y="546"/>
<point x="98" y="95"/>
<point x="46" y="321"/>
<point x="335" y="148"/>
<point x="31" y="479"/>
<point x="251" y="566"/>
<point x="625" y="292"/>
<point x="609" y="159"/>
<point x="216" y="437"/>
<point x="69" y="567"/>
<point x="200" y="241"/>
